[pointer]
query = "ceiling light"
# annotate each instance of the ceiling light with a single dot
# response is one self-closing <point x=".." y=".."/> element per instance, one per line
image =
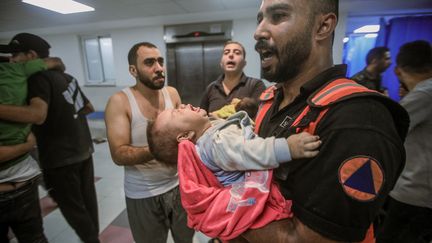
<point x="368" y="29"/>
<point x="371" y="35"/>
<point x="61" y="6"/>
<point x="345" y="40"/>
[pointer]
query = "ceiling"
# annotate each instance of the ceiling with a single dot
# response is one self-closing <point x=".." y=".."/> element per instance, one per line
<point x="16" y="16"/>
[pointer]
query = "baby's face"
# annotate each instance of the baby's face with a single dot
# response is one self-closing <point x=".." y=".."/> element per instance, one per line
<point x="185" y="118"/>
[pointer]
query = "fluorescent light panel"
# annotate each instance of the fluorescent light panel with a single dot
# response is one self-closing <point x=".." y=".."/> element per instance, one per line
<point x="371" y="35"/>
<point x="61" y="6"/>
<point x="368" y="29"/>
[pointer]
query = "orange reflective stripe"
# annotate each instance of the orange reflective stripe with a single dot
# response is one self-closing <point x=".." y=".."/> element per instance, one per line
<point x="336" y="90"/>
<point x="266" y="98"/>
<point x="370" y="235"/>
<point x="261" y="113"/>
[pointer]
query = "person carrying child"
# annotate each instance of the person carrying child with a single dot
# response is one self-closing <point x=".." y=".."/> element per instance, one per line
<point x="225" y="168"/>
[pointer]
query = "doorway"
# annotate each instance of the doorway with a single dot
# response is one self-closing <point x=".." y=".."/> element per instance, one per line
<point x="193" y="66"/>
<point x="193" y="56"/>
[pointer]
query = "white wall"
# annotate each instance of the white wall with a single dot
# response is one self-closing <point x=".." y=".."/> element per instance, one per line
<point x="243" y="32"/>
<point x="124" y="39"/>
<point x="67" y="47"/>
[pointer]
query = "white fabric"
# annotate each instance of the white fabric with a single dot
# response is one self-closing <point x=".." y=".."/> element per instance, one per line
<point x="231" y="147"/>
<point x="151" y="178"/>
<point x="23" y="171"/>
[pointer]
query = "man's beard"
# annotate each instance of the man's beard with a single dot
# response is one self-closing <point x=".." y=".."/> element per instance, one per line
<point x="294" y="54"/>
<point x="149" y="82"/>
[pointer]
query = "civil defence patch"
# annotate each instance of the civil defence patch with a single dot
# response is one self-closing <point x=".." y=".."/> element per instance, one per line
<point x="361" y="178"/>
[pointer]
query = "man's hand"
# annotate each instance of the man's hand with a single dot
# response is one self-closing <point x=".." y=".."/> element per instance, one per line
<point x="54" y="63"/>
<point x="31" y="141"/>
<point x="14" y="151"/>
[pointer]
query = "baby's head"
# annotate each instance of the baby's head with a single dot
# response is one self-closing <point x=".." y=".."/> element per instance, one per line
<point x="173" y="125"/>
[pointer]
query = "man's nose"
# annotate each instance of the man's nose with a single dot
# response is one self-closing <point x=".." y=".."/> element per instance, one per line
<point x="261" y="32"/>
<point x="159" y="67"/>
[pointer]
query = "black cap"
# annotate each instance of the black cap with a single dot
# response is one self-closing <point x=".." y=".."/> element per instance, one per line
<point x="23" y="42"/>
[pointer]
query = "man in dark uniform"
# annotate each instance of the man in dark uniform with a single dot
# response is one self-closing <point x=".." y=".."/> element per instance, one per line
<point x="337" y="194"/>
<point x="377" y="60"/>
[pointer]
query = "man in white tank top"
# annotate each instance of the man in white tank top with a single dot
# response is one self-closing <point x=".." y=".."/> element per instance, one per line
<point x="151" y="188"/>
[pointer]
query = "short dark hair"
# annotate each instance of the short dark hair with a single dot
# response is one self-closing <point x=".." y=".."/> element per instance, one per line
<point x="415" y="56"/>
<point x="132" y="55"/>
<point x="238" y="43"/>
<point x="325" y="7"/>
<point x="162" y="144"/>
<point x="376" y="53"/>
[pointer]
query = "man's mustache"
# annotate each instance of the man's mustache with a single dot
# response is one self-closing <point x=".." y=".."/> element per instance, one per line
<point x="159" y="75"/>
<point x="264" y="45"/>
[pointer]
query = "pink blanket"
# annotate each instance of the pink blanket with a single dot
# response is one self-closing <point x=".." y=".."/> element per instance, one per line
<point x="227" y="212"/>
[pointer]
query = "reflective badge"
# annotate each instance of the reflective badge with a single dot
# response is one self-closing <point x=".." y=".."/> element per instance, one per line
<point x="361" y="178"/>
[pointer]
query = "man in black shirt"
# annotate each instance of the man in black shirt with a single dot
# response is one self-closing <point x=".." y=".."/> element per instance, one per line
<point x="233" y="83"/>
<point x="377" y="61"/>
<point x="57" y="108"/>
<point x="337" y="194"/>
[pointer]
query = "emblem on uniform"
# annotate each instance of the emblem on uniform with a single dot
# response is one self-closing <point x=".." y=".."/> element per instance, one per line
<point x="361" y="178"/>
<point x="285" y="123"/>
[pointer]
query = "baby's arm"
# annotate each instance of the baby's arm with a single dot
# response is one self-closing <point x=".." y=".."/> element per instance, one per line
<point x="303" y="145"/>
<point x="231" y="151"/>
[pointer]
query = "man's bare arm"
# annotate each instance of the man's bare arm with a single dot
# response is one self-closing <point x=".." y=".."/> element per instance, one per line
<point x="118" y="126"/>
<point x="13" y="151"/>
<point x="175" y="97"/>
<point x="35" y="112"/>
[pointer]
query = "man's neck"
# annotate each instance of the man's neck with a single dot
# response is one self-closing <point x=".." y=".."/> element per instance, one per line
<point x="232" y="79"/>
<point x="372" y="70"/>
<point x="415" y="79"/>
<point x="310" y="70"/>
<point x="152" y="95"/>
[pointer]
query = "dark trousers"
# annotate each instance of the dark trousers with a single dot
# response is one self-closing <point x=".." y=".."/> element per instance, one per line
<point x="72" y="187"/>
<point x="151" y="218"/>
<point x="20" y="210"/>
<point x="406" y="223"/>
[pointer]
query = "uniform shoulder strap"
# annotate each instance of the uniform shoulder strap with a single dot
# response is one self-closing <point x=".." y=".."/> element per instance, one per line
<point x="331" y="93"/>
<point x="338" y="90"/>
<point x="266" y="100"/>
<point x="318" y="103"/>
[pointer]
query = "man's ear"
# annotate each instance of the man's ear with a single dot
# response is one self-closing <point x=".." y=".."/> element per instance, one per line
<point x="244" y="63"/>
<point x="189" y="135"/>
<point x="32" y="54"/>
<point x="133" y="70"/>
<point x="326" y="26"/>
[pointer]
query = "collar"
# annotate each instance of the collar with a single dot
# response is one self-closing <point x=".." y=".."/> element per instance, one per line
<point x="335" y="72"/>
<point x="424" y="83"/>
<point x="243" y="79"/>
<point x="369" y="75"/>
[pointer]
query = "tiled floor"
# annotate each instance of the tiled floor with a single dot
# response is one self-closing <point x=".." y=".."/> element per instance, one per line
<point x="112" y="214"/>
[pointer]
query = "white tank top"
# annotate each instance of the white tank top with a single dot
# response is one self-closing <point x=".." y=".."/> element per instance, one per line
<point x="152" y="178"/>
